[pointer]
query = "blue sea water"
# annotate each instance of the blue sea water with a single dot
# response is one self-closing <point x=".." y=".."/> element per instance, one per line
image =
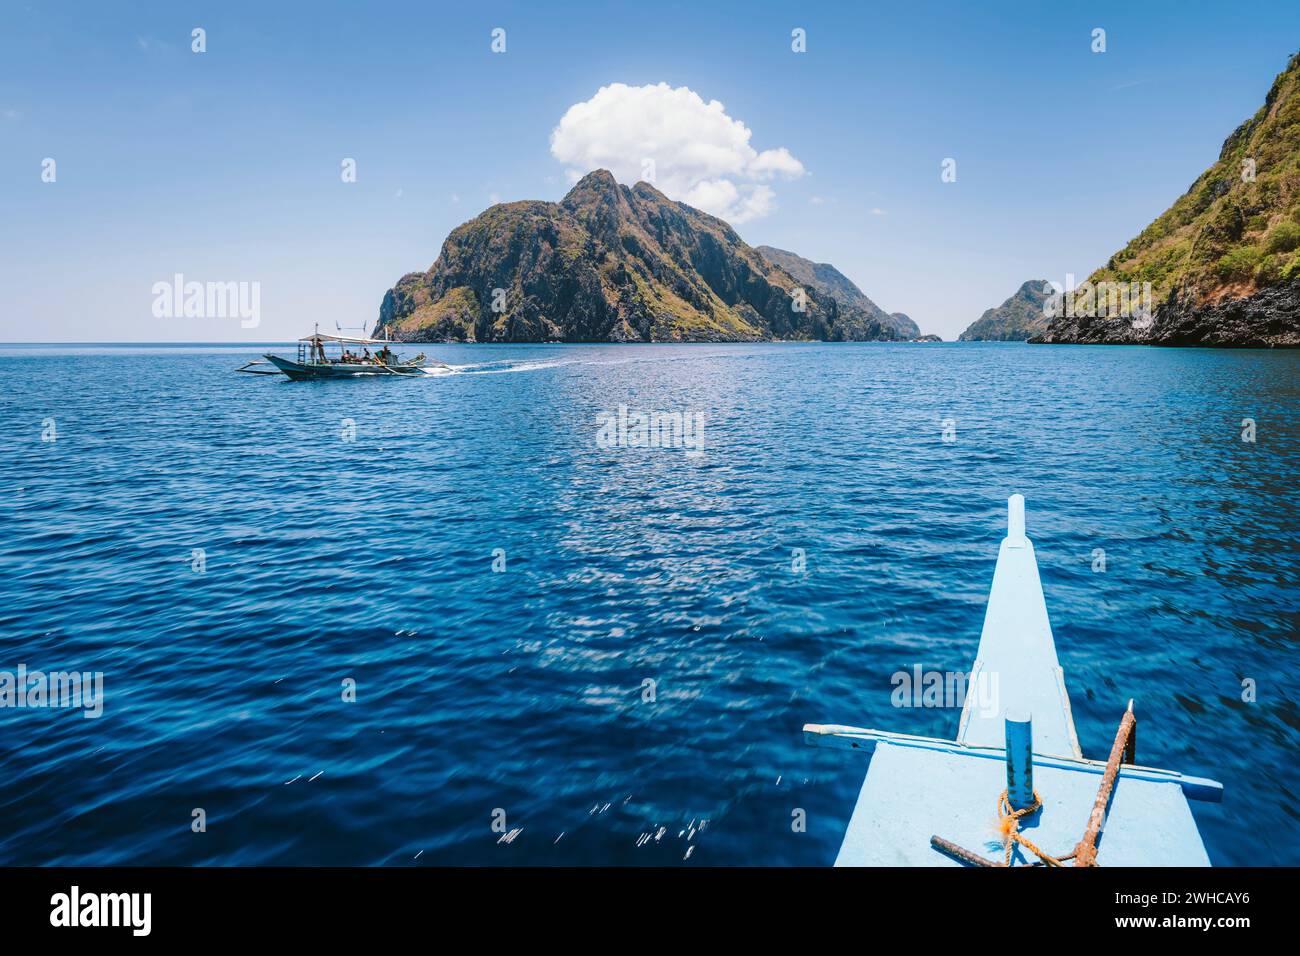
<point x="484" y="695"/>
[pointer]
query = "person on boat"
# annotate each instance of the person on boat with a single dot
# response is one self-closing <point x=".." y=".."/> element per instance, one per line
<point x="385" y="355"/>
<point x="366" y="357"/>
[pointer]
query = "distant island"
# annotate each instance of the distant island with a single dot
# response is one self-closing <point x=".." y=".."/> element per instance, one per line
<point x="1223" y="262"/>
<point x="1015" y="320"/>
<point x="612" y="263"/>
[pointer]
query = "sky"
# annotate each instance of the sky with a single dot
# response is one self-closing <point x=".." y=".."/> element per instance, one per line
<point x="231" y="165"/>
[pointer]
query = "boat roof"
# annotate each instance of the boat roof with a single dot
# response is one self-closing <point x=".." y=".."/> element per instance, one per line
<point x="349" y="339"/>
<point x="919" y="787"/>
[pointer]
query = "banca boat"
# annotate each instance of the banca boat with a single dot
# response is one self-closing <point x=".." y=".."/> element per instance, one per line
<point x="314" y="360"/>
<point x="1014" y="788"/>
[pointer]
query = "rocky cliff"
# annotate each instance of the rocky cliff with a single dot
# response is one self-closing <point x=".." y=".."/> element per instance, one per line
<point x="612" y="263"/>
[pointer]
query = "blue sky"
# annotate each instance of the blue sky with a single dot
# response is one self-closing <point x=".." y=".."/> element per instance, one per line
<point x="225" y="165"/>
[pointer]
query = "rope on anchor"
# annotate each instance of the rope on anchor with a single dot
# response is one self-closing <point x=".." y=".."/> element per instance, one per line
<point x="1085" y="852"/>
<point x="1009" y="824"/>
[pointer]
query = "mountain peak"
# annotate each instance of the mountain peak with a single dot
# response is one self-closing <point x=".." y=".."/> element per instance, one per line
<point x="644" y="189"/>
<point x="598" y="182"/>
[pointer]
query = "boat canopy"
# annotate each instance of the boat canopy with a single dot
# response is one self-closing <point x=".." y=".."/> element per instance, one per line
<point x="348" y="339"/>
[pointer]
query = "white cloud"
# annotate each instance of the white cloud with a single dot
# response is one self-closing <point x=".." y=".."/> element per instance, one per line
<point x="689" y="149"/>
<point x="877" y="211"/>
<point x="776" y="162"/>
<point x="734" y="203"/>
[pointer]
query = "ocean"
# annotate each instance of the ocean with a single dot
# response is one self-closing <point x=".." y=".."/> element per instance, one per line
<point x="471" y="619"/>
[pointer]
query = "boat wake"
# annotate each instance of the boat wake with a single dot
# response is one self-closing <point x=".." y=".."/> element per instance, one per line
<point x="500" y="368"/>
<point x="519" y="365"/>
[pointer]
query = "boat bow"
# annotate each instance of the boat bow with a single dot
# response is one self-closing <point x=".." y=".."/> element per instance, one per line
<point x="920" y="787"/>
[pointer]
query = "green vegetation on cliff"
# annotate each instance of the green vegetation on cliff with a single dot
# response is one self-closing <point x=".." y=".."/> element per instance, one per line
<point x="1224" y="260"/>
<point x="612" y="263"/>
<point x="1227" y="229"/>
<point x="1015" y="320"/>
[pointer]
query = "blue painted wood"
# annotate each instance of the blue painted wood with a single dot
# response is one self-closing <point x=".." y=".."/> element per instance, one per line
<point x="911" y="794"/>
<point x="1020" y="760"/>
<point x="865" y="740"/>
<point x="918" y="787"/>
<point x="1016" y="664"/>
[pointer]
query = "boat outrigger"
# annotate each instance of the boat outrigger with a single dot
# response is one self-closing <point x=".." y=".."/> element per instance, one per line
<point x="931" y="802"/>
<point x="314" y="362"/>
